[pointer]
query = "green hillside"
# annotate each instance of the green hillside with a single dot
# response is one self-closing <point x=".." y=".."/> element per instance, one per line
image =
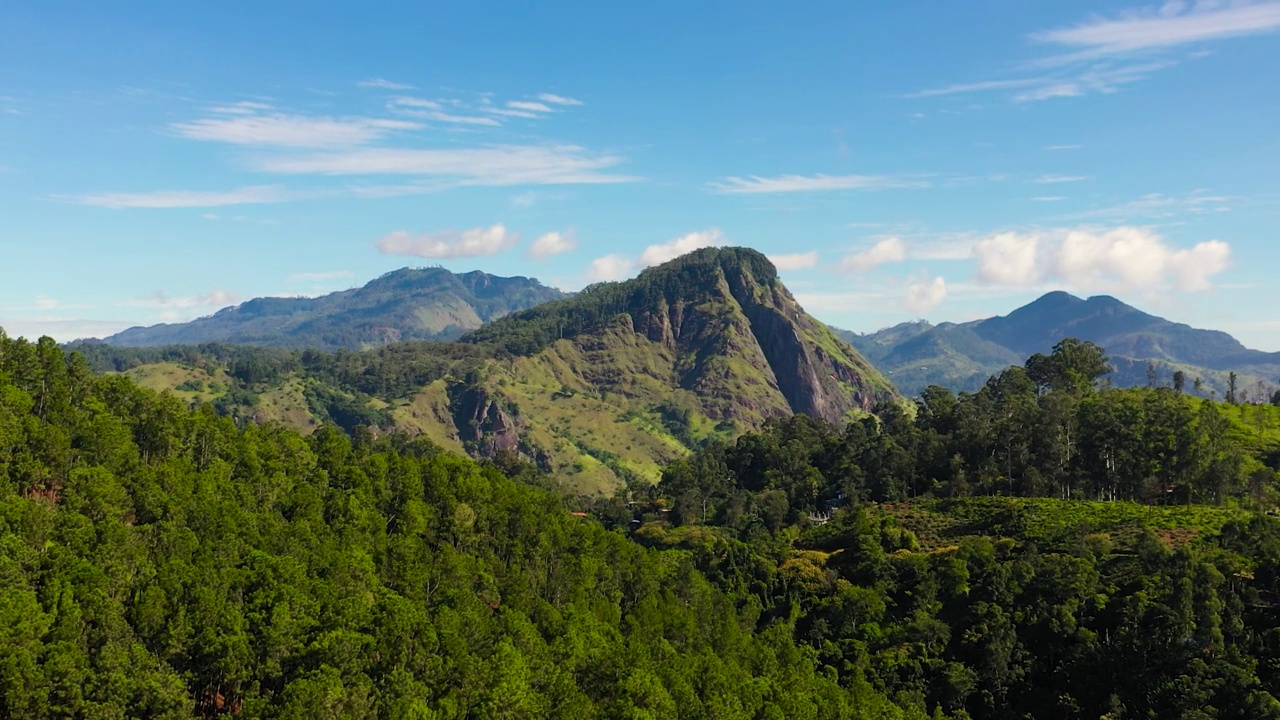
<point x="601" y="389"/>
<point x="407" y="304"/>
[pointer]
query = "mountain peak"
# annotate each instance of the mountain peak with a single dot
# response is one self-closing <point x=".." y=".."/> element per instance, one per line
<point x="727" y="325"/>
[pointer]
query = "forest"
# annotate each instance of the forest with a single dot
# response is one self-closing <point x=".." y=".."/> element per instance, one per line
<point x="1044" y="548"/>
<point x="158" y="561"/>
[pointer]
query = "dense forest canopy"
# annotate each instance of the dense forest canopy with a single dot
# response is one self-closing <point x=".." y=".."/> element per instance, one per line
<point x="1046" y="547"/>
<point x="157" y="561"/>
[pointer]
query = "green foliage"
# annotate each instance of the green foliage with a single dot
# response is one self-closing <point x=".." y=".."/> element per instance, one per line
<point x="158" y="561"/>
<point x="528" y="331"/>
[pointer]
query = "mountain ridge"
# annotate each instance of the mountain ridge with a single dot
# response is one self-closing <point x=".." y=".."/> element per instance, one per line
<point x="962" y="355"/>
<point x="407" y="304"/>
<point x="599" y="389"/>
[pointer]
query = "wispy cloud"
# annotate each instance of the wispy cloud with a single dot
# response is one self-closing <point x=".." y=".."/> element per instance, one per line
<point x="974" y="87"/>
<point x="384" y="84"/>
<point x="528" y="106"/>
<point x="1048" y="198"/>
<point x="497" y="165"/>
<point x="1059" y="148"/>
<point x="1158" y="205"/>
<point x="1104" y="53"/>
<point x="811" y="183"/>
<point x="1055" y="179"/>
<point x="794" y="261"/>
<point x="552" y="243"/>
<point x="558" y="99"/>
<point x="256" y="194"/>
<point x="476" y="242"/>
<point x="1171" y="24"/>
<point x="290" y="130"/>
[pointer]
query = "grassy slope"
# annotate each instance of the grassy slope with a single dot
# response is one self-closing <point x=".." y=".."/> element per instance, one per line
<point x="1051" y="523"/>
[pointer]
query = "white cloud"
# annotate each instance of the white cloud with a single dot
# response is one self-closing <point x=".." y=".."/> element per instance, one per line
<point x="1101" y="51"/>
<point x="806" y="183"/>
<point x="1054" y="179"/>
<point x="924" y="294"/>
<point x="888" y="250"/>
<point x="190" y="198"/>
<point x="1059" y="148"/>
<point x="507" y="112"/>
<point x="658" y="254"/>
<point x="1048" y="198"/>
<point x="475" y="242"/>
<point x="320" y="276"/>
<point x="558" y="99"/>
<point x="241" y="108"/>
<point x="1157" y="205"/>
<point x="1126" y="258"/>
<point x="794" y="261"/>
<point x="984" y="86"/>
<point x="405" y="101"/>
<point x="216" y="298"/>
<point x="290" y="130"/>
<point x="1008" y="259"/>
<point x="610" y="268"/>
<point x="498" y="165"/>
<point x="552" y="243"/>
<point x="1047" y="92"/>
<point x="1171" y="24"/>
<point x="528" y="106"/>
<point x="451" y="118"/>
<point x="384" y="84"/>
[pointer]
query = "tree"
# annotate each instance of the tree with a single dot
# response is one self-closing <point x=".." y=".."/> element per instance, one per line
<point x="1231" y="388"/>
<point x="1073" y="366"/>
<point x="1179" y="381"/>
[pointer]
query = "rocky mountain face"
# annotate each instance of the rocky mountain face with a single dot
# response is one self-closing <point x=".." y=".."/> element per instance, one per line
<point x="407" y="304"/>
<point x="601" y="388"/>
<point x="962" y="356"/>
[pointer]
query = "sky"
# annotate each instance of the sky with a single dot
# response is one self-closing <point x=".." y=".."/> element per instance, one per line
<point x="897" y="161"/>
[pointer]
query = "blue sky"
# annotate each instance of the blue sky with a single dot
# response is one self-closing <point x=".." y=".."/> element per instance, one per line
<point x="948" y="161"/>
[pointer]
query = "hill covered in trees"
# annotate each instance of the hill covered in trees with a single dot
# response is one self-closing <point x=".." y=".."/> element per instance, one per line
<point x="407" y="304"/>
<point x="1041" y="548"/>
<point x="157" y="561"/>
<point x="962" y="356"/>
<point x="600" y="389"/>
<point x="1046" y="547"/>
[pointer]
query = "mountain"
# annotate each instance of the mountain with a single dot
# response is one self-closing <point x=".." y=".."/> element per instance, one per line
<point x="407" y="304"/>
<point x="600" y="388"/>
<point x="962" y="356"/>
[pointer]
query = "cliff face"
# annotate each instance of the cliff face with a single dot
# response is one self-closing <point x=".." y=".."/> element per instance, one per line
<point x="710" y="344"/>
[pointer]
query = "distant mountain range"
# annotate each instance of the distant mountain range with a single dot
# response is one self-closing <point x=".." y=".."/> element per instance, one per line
<point x="600" y="388"/>
<point x="407" y="304"/>
<point x="962" y="356"/>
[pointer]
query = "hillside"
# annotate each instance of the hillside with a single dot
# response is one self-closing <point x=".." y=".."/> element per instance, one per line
<point x="599" y="389"/>
<point x="962" y="356"/>
<point x="407" y="304"/>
